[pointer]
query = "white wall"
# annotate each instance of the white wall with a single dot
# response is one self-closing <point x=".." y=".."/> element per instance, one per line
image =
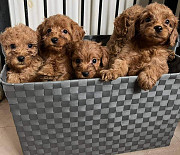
<point x="73" y="10"/>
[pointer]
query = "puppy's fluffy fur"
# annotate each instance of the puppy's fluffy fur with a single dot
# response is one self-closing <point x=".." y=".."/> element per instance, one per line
<point x="20" y="46"/>
<point x="88" y="58"/>
<point x="146" y="53"/>
<point x="53" y="34"/>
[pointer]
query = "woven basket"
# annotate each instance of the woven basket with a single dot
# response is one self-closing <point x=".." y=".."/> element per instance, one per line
<point x="90" y="116"/>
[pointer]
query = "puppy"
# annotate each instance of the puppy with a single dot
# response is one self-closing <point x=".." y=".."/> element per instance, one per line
<point x="20" y="46"/>
<point x="88" y="59"/>
<point x="146" y="53"/>
<point x="53" y="34"/>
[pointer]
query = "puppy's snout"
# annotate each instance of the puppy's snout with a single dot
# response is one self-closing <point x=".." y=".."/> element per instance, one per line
<point x="54" y="40"/>
<point x="158" y="28"/>
<point x="20" y="58"/>
<point x="85" y="74"/>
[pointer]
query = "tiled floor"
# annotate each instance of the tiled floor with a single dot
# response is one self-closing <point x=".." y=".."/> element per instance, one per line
<point x="9" y="142"/>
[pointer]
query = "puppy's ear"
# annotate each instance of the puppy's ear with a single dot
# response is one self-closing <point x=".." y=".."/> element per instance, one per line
<point x="124" y="28"/>
<point x="105" y="57"/>
<point x="36" y="50"/>
<point x="70" y="47"/>
<point x="77" y="31"/>
<point x="40" y="33"/>
<point x="174" y="34"/>
<point x="125" y="23"/>
<point x="133" y="28"/>
<point x="2" y="37"/>
<point x="131" y="31"/>
<point x="120" y="25"/>
<point x="3" y="41"/>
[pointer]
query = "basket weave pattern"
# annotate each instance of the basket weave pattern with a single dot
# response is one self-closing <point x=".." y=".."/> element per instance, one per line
<point x="94" y="117"/>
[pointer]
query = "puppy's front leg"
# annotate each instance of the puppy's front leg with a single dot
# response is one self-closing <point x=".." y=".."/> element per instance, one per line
<point x="13" y="77"/>
<point x="150" y="74"/>
<point x="28" y="75"/>
<point x="118" y="68"/>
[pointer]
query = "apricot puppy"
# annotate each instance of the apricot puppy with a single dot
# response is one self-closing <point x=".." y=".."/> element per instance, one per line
<point x="21" y="53"/>
<point x="88" y="59"/>
<point x="146" y="53"/>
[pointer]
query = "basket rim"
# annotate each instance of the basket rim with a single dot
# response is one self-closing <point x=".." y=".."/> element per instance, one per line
<point x="73" y="80"/>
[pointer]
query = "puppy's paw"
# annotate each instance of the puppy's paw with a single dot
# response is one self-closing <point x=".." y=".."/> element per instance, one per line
<point x="13" y="78"/>
<point x="10" y="80"/>
<point x="146" y="82"/>
<point x="108" y="75"/>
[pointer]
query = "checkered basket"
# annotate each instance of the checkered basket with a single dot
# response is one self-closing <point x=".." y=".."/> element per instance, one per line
<point x="92" y="117"/>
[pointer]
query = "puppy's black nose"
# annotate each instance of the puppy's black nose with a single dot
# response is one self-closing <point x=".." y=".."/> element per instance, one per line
<point x="54" y="40"/>
<point x="85" y="74"/>
<point x="158" y="28"/>
<point x="20" y="58"/>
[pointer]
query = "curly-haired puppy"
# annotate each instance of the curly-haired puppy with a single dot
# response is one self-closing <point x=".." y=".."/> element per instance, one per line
<point x="147" y="52"/>
<point x="20" y="46"/>
<point x="54" y="33"/>
<point x="88" y="59"/>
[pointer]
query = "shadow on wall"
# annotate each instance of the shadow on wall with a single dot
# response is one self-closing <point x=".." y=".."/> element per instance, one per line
<point x="5" y="22"/>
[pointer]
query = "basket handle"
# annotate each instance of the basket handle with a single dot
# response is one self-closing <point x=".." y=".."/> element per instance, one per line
<point x="1" y="74"/>
<point x="1" y="77"/>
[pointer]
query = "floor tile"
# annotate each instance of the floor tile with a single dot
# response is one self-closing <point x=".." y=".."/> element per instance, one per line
<point x="6" y="119"/>
<point x="4" y="105"/>
<point x="9" y="142"/>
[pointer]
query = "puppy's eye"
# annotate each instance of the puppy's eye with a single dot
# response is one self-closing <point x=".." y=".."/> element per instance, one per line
<point x="49" y="30"/>
<point x="78" y="61"/>
<point x="65" y="31"/>
<point x="13" y="46"/>
<point x="148" y="19"/>
<point x="30" y="45"/>
<point x="94" y="61"/>
<point x="167" y="21"/>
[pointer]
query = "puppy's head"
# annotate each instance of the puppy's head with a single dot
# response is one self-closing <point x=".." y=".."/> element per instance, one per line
<point x="88" y="58"/>
<point x="20" y="46"/>
<point x="58" y="30"/>
<point x="157" y="25"/>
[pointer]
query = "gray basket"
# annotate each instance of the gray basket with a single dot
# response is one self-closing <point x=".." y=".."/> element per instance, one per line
<point x="91" y="117"/>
